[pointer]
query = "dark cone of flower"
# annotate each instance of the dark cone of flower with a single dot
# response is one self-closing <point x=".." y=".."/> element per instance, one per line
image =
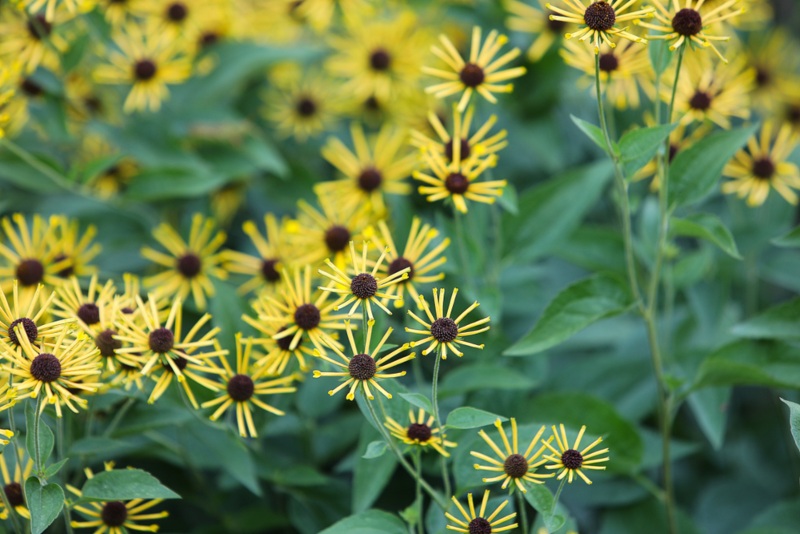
<point x="46" y="367"/>
<point x="161" y="340"/>
<point x="456" y="183"/>
<point x="30" y="272"/>
<point x="307" y="316"/>
<point x="763" y="168"/>
<point x="285" y="342"/>
<point x="177" y="11"/>
<point x="465" y="149"/>
<point x="687" y="22"/>
<point x="480" y="526"/>
<point x="380" y="59"/>
<point x="241" y="388"/>
<point x="472" y="75"/>
<point x="38" y="27"/>
<point x="555" y="26"/>
<point x="114" y="513"/>
<point x="370" y="179"/>
<point x="144" y="70"/>
<point x="306" y="107"/>
<point x="608" y="62"/>
<point x="516" y="466"/>
<point x="89" y="313"/>
<point x="336" y="238"/>
<point x="600" y="16"/>
<point x="700" y="101"/>
<point x="419" y="431"/>
<point x="180" y="362"/>
<point x="189" y="265"/>
<point x="362" y="367"/>
<point x="364" y="286"/>
<point x="444" y="330"/>
<point x="31" y="332"/>
<point x="13" y="491"/>
<point x="269" y="270"/>
<point x="31" y="88"/>
<point x="106" y="343"/>
<point x="399" y="264"/>
<point x="572" y="459"/>
<point x="64" y="272"/>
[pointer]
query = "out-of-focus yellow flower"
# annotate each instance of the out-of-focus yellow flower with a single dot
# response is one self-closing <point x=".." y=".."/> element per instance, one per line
<point x="13" y="485"/>
<point x="30" y="254"/>
<point x="302" y="107"/>
<point x="180" y="19"/>
<point x="9" y="78"/>
<point x="777" y="80"/>
<point x="528" y="19"/>
<point x="73" y="246"/>
<point x="73" y="7"/>
<point x="31" y="39"/>
<point x="597" y="22"/>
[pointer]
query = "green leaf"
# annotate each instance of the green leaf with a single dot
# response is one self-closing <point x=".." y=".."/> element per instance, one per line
<point x="756" y="363"/>
<point x="708" y="227"/>
<point x="419" y="400"/>
<point x="368" y="522"/>
<point x="15" y="171"/>
<point x="789" y="240"/>
<point x="542" y="501"/>
<point x="226" y="308"/>
<point x="53" y="469"/>
<point x="467" y="417"/>
<point x="794" y="420"/>
<point x="164" y="183"/>
<point x="481" y="377"/>
<point x="694" y="172"/>
<point x="124" y="485"/>
<point x="660" y="55"/>
<point x="710" y="408"/>
<point x="592" y="132"/>
<point x="44" y="503"/>
<point x="552" y="210"/>
<point x="638" y="147"/>
<point x="779" y="322"/>
<point x="234" y="457"/>
<point x="576" y="307"/>
<point x="370" y="476"/>
<point x="46" y="439"/>
<point x="509" y="200"/>
<point x="375" y="449"/>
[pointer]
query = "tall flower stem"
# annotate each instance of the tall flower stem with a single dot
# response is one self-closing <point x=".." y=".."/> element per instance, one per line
<point x="393" y="446"/>
<point x="436" y="417"/>
<point x="558" y="495"/>
<point x="37" y="456"/>
<point x="418" y="491"/>
<point x="522" y="509"/>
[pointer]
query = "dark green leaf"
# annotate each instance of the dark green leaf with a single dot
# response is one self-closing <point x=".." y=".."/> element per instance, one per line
<point x="708" y="227"/>
<point x="779" y="322"/>
<point x="481" y="377"/>
<point x="370" y="476"/>
<point x="419" y="400"/>
<point x="575" y="308"/>
<point x="53" y="469"/>
<point x="638" y="147"/>
<point x="44" y="503"/>
<point x="46" y="439"/>
<point x="124" y="485"/>
<point x="710" y="408"/>
<point x="771" y="364"/>
<point x="794" y="420"/>
<point x="369" y="522"/>
<point x="694" y="172"/>
<point x="468" y="417"/>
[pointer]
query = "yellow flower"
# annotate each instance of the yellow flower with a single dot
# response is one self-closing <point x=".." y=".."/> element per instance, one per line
<point x="73" y="7"/>
<point x="713" y="93"/>
<point x="29" y="315"/>
<point x="264" y="270"/>
<point x="364" y="368"/>
<point x="623" y="71"/>
<point x="9" y="79"/>
<point x="359" y="286"/>
<point x="243" y="388"/>
<point x="379" y="165"/>
<point x="148" y="60"/>
<point x="189" y="264"/>
<point x="526" y="18"/>
<point x="597" y="21"/>
<point x="116" y="517"/>
<point x="689" y="23"/>
<point x="302" y="106"/>
<point x="13" y="486"/>
<point x="513" y="466"/>
<point x="460" y="145"/>
<point x="478" y="522"/>
<point x="420" y="261"/>
<point x="55" y="368"/>
<point x="443" y="331"/>
<point x="73" y="246"/>
<point x="165" y="351"/>
<point x="31" y="39"/>
<point x="481" y="74"/>
<point x="772" y="56"/>
<point x="297" y="314"/>
<point x="31" y="258"/>
<point x="116" y="13"/>
<point x="571" y="461"/>
<point x="419" y="432"/>
<point x="763" y="165"/>
<point x="457" y="180"/>
<point x="179" y="19"/>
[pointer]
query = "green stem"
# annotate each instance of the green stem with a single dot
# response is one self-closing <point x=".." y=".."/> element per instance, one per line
<point x="16" y="524"/>
<point x="388" y="439"/>
<point x="558" y="495"/>
<point x="523" y="513"/>
<point x="28" y="158"/>
<point x="437" y="419"/>
<point x="418" y="491"/>
<point x="37" y="457"/>
<point x="118" y="417"/>
<point x="67" y="519"/>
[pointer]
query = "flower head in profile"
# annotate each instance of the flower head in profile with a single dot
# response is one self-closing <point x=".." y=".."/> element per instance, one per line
<point x="571" y="461"/>
<point x="763" y="165"/>
<point x="243" y="388"/>
<point x="598" y="21"/>
<point x="477" y="522"/>
<point x="116" y="517"/>
<point x="528" y="19"/>
<point x="688" y="23"/>
<point x="364" y="368"/>
<point x="442" y="331"/>
<point x="419" y="432"/>
<point x="483" y="73"/>
<point x="188" y="265"/>
<point x="513" y="466"/>
<point x="361" y="286"/>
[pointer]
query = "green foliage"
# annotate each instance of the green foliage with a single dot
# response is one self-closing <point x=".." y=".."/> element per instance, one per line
<point x="707" y="227"/>
<point x="778" y="322"/>
<point x="544" y="503"/>
<point x="123" y="485"/>
<point x="794" y="420"/>
<point x="368" y="522"/>
<point x="468" y="417"/>
<point x="45" y="502"/>
<point x="639" y="146"/>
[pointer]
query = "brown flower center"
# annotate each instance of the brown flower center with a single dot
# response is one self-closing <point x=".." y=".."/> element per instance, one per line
<point x="177" y="12"/>
<point x="46" y="367"/>
<point x="464" y="146"/>
<point x="89" y="313"/>
<point x="380" y="59"/>
<point x="572" y="459"/>
<point x="419" y="431"/>
<point x="161" y="340"/>
<point x="364" y="286"/>
<point x="362" y="367"/>
<point x="241" y="388"/>
<point x="600" y="16"/>
<point x="516" y="466"/>
<point x="269" y="270"/>
<point x="472" y="75"/>
<point x="399" y="264"/>
<point x="687" y="22"/>
<point x="370" y="179"/>
<point x="608" y="62"/>
<point x="456" y="183"/>
<point x="106" y="343"/>
<point x="480" y="526"/>
<point x="305" y="106"/>
<point x="763" y="168"/>
<point x="31" y="332"/>
<point x="114" y="514"/>
<point x="189" y="265"/>
<point x="144" y="70"/>
<point x="700" y="101"/>
<point x="30" y="272"/>
<point x="307" y="317"/>
<point x="444" y="330"/>
<point x="336" y="238"/>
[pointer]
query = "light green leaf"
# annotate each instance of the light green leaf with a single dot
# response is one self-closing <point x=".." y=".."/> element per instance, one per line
<point x="542" y="501"/>
<point x="708" y="227"/>
<point x="369" y="522"/>
<point x="375" y="449"/>
<point x="482" y="377"/>
<point x="46" y="439"/>
<point x="53" y="469"/>
<point x="694" y="172"/>
<point x="790" y="239"/>
<point x="794" y="420"/>
<point x="660" y="55"/>
<point x="44" y="503"/>
<point x="638" y="147"/>
<point x="592" y="132"/>
<point x="419" y="400"/>
<point x="467" y="417"/>
<point x="576" y="307"/>
<point x="124" y="485"/>
<point x="779" y="322"/>
<point x="509" y="200"/>
<point x="370" y="476"/>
